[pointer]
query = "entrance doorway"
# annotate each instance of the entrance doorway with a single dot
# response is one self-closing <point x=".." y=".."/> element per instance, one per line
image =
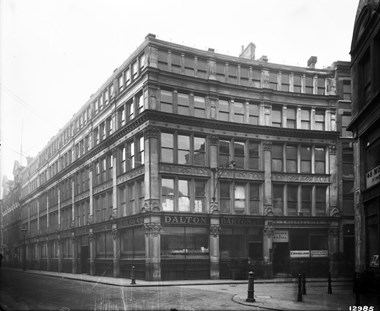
<point x="84" y="259"/>
<point x="280" y="258"/>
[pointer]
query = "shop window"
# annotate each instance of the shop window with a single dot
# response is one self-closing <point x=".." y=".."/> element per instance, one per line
<point x="225" y="197"/>
<point x="292" y="195"/>
<point x="253" y="110"/>
<point x="319" y="120"/>
<point x="104" y="245"/>
<point x="199" y="107"/>
<point x="305" y="160"/>
<point x="240" y="201"/>
<point x="291" y="118"/>
<point x="278" y="200"/>
<point x="291" y="159"/>
<point x="277" y="158"/>
<point x="238" y="112"/>
<point x="253" y="154"/>
<point x="133" y="243"/>
<point x="320" y="159"/>
<point x="239" y="154"/>
<point x="318" y="242"/>
<point x="254" y="199"/>
<point x="185" y="242"/>
<point x="223" y="110"/>
<point x="167" y="147"/>
<point x="306" y="200"/>
<point x="183" y="106"/>
<point x="276" y="116"/>
<point x="299" y="240"/>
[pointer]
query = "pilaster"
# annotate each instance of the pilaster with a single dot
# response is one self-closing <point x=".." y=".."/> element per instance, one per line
<point x="91" y="240"/>
<point x="215" y="230"/>
<point x="116" y="251"/>
<point x="267" y="249"/>
<point x="60" y="253"/>
<point x="74" y="251"/>
<point x="151" y="176"/>
<point x="152" y="228"/>
<point x="267" y="147"/>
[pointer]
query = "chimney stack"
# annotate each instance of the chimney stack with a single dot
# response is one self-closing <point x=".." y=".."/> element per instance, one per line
<point x="312" y="61"/>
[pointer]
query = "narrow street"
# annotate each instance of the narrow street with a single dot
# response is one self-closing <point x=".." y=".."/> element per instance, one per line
<point x="24" y="291"/>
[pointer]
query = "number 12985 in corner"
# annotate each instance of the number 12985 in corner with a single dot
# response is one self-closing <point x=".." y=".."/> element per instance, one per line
<point x="361" y="308"/>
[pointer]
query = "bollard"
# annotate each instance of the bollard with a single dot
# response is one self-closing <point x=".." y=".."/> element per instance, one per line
<point x="299" y="288"/>
<point x="251" y="287"/>
<point x="303" y="283"/>
<point x="329" y="289"/>
<point x="133" y="275"/>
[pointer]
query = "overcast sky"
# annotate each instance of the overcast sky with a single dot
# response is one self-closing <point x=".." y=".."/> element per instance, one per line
<point x="56" y="53"/>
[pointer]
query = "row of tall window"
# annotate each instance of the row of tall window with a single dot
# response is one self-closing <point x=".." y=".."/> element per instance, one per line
<point x="242" y="111"/>
<point x="242" y="74"/>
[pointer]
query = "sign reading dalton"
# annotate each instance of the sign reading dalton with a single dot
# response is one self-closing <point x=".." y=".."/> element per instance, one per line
<point x="185" y="220"/>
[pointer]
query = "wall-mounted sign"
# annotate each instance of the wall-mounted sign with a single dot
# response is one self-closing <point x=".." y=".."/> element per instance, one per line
<point x="281" y="236"/>
<point x="374" y="261"/>
<point x="299" y="254"/>
<point x="373" y="177"/>
<point x="319" y="253"/>
<point x="185" y="220"/>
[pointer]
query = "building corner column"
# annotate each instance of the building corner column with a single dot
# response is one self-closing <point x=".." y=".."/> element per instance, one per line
<point x="152" y="228"/>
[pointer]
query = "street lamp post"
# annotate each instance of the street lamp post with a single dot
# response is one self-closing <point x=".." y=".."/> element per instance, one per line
<point x="23" y="230"/>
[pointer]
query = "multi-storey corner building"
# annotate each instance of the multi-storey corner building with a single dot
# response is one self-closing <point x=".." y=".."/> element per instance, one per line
<point x="192" y="164"/>
<point x="365" y="69"/>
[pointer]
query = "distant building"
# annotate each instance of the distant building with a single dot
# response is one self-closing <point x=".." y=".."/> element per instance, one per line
<point x="192" y="164"/>
<point x="365" y="70"/>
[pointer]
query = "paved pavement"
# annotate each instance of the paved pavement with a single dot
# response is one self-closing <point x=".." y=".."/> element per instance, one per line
<point x="272" y="294"/>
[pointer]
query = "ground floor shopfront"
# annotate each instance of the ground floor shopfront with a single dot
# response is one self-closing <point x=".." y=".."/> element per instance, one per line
<point x="169" y="246"/>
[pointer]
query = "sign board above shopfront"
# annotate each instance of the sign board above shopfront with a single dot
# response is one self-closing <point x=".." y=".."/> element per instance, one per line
<point x="281" y="236"/>
<point x="373" y="177"/>
<point x="299" y="254"/>
<point x="319" y="253"/>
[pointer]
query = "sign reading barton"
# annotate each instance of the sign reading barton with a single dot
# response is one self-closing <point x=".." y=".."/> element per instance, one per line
<point x="185" y="220"/>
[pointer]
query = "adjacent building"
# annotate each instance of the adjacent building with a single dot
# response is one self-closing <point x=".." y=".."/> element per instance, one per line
<point x="192" y="164"/>
<point x="365" y="69"/>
